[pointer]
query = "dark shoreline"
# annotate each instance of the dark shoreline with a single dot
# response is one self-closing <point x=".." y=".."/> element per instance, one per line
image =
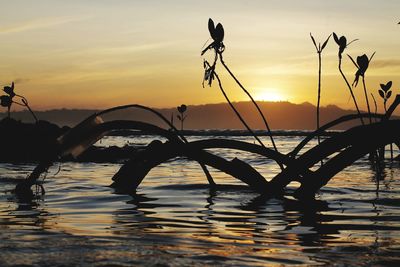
<point x="31" y="142"/>
<point x="230" y="132"/>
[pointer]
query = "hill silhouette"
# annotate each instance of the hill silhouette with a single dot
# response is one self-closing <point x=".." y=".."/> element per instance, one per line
<point x="281" y="116"/>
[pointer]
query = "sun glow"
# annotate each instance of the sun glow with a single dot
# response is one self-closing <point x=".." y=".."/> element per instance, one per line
<point x="269" y="95"/>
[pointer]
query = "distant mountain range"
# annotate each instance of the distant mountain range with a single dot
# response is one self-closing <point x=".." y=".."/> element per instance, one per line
<point x="280" y="115"/>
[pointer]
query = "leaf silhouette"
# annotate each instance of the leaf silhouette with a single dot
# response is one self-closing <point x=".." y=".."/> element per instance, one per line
<point x="355" y="64"/>
<point x="325" y="43"/>
<point x="182" y="108"/>
<point x="5" y="101"/>
<point x="342" y="42"/>
<point x="7" y="89"/>
<point x="381" y="93"/>
<point x="211" y="28"/>
<point x="389" y="94"/>
<point x="336" y="38"/>
<point x="373" y="54"/>
<point x="387" y="86"/>
<point x="179" y="117"/>
<point x="219" y="33"/>
<point x="313" y="40"/>
<point x="363" y="63"/>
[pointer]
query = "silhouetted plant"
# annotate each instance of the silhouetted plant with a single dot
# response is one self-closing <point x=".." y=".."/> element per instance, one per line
<point x="362" y="66"/>
<point x="342" y="43"/>
<point x="8" y="99"/>
<point x="181" y="117"/>
<point x="375" y="105"/>
<point x="341" y="150"/>
<point x="217" y="34"/>
<point x="385" y="93"/>
<point x="319" y="49"/>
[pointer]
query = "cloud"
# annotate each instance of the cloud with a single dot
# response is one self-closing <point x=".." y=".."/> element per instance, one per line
<point x="38" y="24"/>
<point x="386" y="63"/>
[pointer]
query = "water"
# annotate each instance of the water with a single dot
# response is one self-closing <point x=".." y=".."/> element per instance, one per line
<point x="176" y="220"/>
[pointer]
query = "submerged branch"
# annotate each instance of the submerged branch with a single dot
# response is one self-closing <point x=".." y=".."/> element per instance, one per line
<point x="355" y="138"/>
<point x="329" y="125"/>
<point x="132" y="173"/>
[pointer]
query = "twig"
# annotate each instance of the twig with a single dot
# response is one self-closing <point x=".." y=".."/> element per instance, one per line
<point x="237" y="112"/>
<point x="351" y="90"/>
<point x="253" y="101"/>
<point x="366" y="99"/>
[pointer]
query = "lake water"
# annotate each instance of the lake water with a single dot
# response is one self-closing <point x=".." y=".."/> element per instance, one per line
<point x="174" y="219"/>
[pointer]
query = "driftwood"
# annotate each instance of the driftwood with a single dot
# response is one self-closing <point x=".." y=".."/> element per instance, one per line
<point x="340" y="150"/>
<point x="131" y="174"/>
<point x="356" y="143"/>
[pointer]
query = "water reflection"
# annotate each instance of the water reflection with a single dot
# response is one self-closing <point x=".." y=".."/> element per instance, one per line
<point x="252" y="228"/>
<point x="175" y="218"/>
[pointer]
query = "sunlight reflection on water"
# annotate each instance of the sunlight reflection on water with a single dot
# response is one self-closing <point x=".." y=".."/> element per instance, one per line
<point x="175" y="219"/>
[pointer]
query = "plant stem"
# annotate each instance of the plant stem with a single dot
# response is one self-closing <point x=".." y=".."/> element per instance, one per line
<point x="391" y="145"/>
<point x="376" y="106"/>
<point x="351" y="90"/>
<point x="237" y="112"/>
<point x="384" y="106"/>
<point x="25" y="101"/>
<point x="319" y="93"/>
<point x="181" y="121"/>
<point x="319" y="96"/>
<point x="366" y="99"/>
<point x="252" y="100"/>
<point x="33" y="114"/>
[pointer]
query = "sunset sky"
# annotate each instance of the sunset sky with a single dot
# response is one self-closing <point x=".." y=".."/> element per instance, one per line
<point x="98" y="53"/>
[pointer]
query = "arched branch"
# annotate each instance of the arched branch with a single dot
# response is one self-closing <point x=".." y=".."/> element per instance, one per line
<point x="361" y="140"/>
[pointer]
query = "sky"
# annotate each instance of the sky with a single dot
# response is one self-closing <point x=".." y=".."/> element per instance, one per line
<point x="99" y="53"/>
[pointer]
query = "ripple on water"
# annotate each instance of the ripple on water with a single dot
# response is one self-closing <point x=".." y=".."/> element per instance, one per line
<point x="175" y="219"/>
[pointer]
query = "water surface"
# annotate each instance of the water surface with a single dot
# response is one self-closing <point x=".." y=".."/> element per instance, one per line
<point x="174" y="219"/>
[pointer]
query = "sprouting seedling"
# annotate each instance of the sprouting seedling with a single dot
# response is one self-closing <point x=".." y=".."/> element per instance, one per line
<point x="342" y="43"/>
<point x="8" y="99"/>
<point x="217" y="34"/>
<point x="181" y="117"/>
<point x="319" y="49"/>
<point x="385" y="93"/>
<point x="362" y="66"/>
